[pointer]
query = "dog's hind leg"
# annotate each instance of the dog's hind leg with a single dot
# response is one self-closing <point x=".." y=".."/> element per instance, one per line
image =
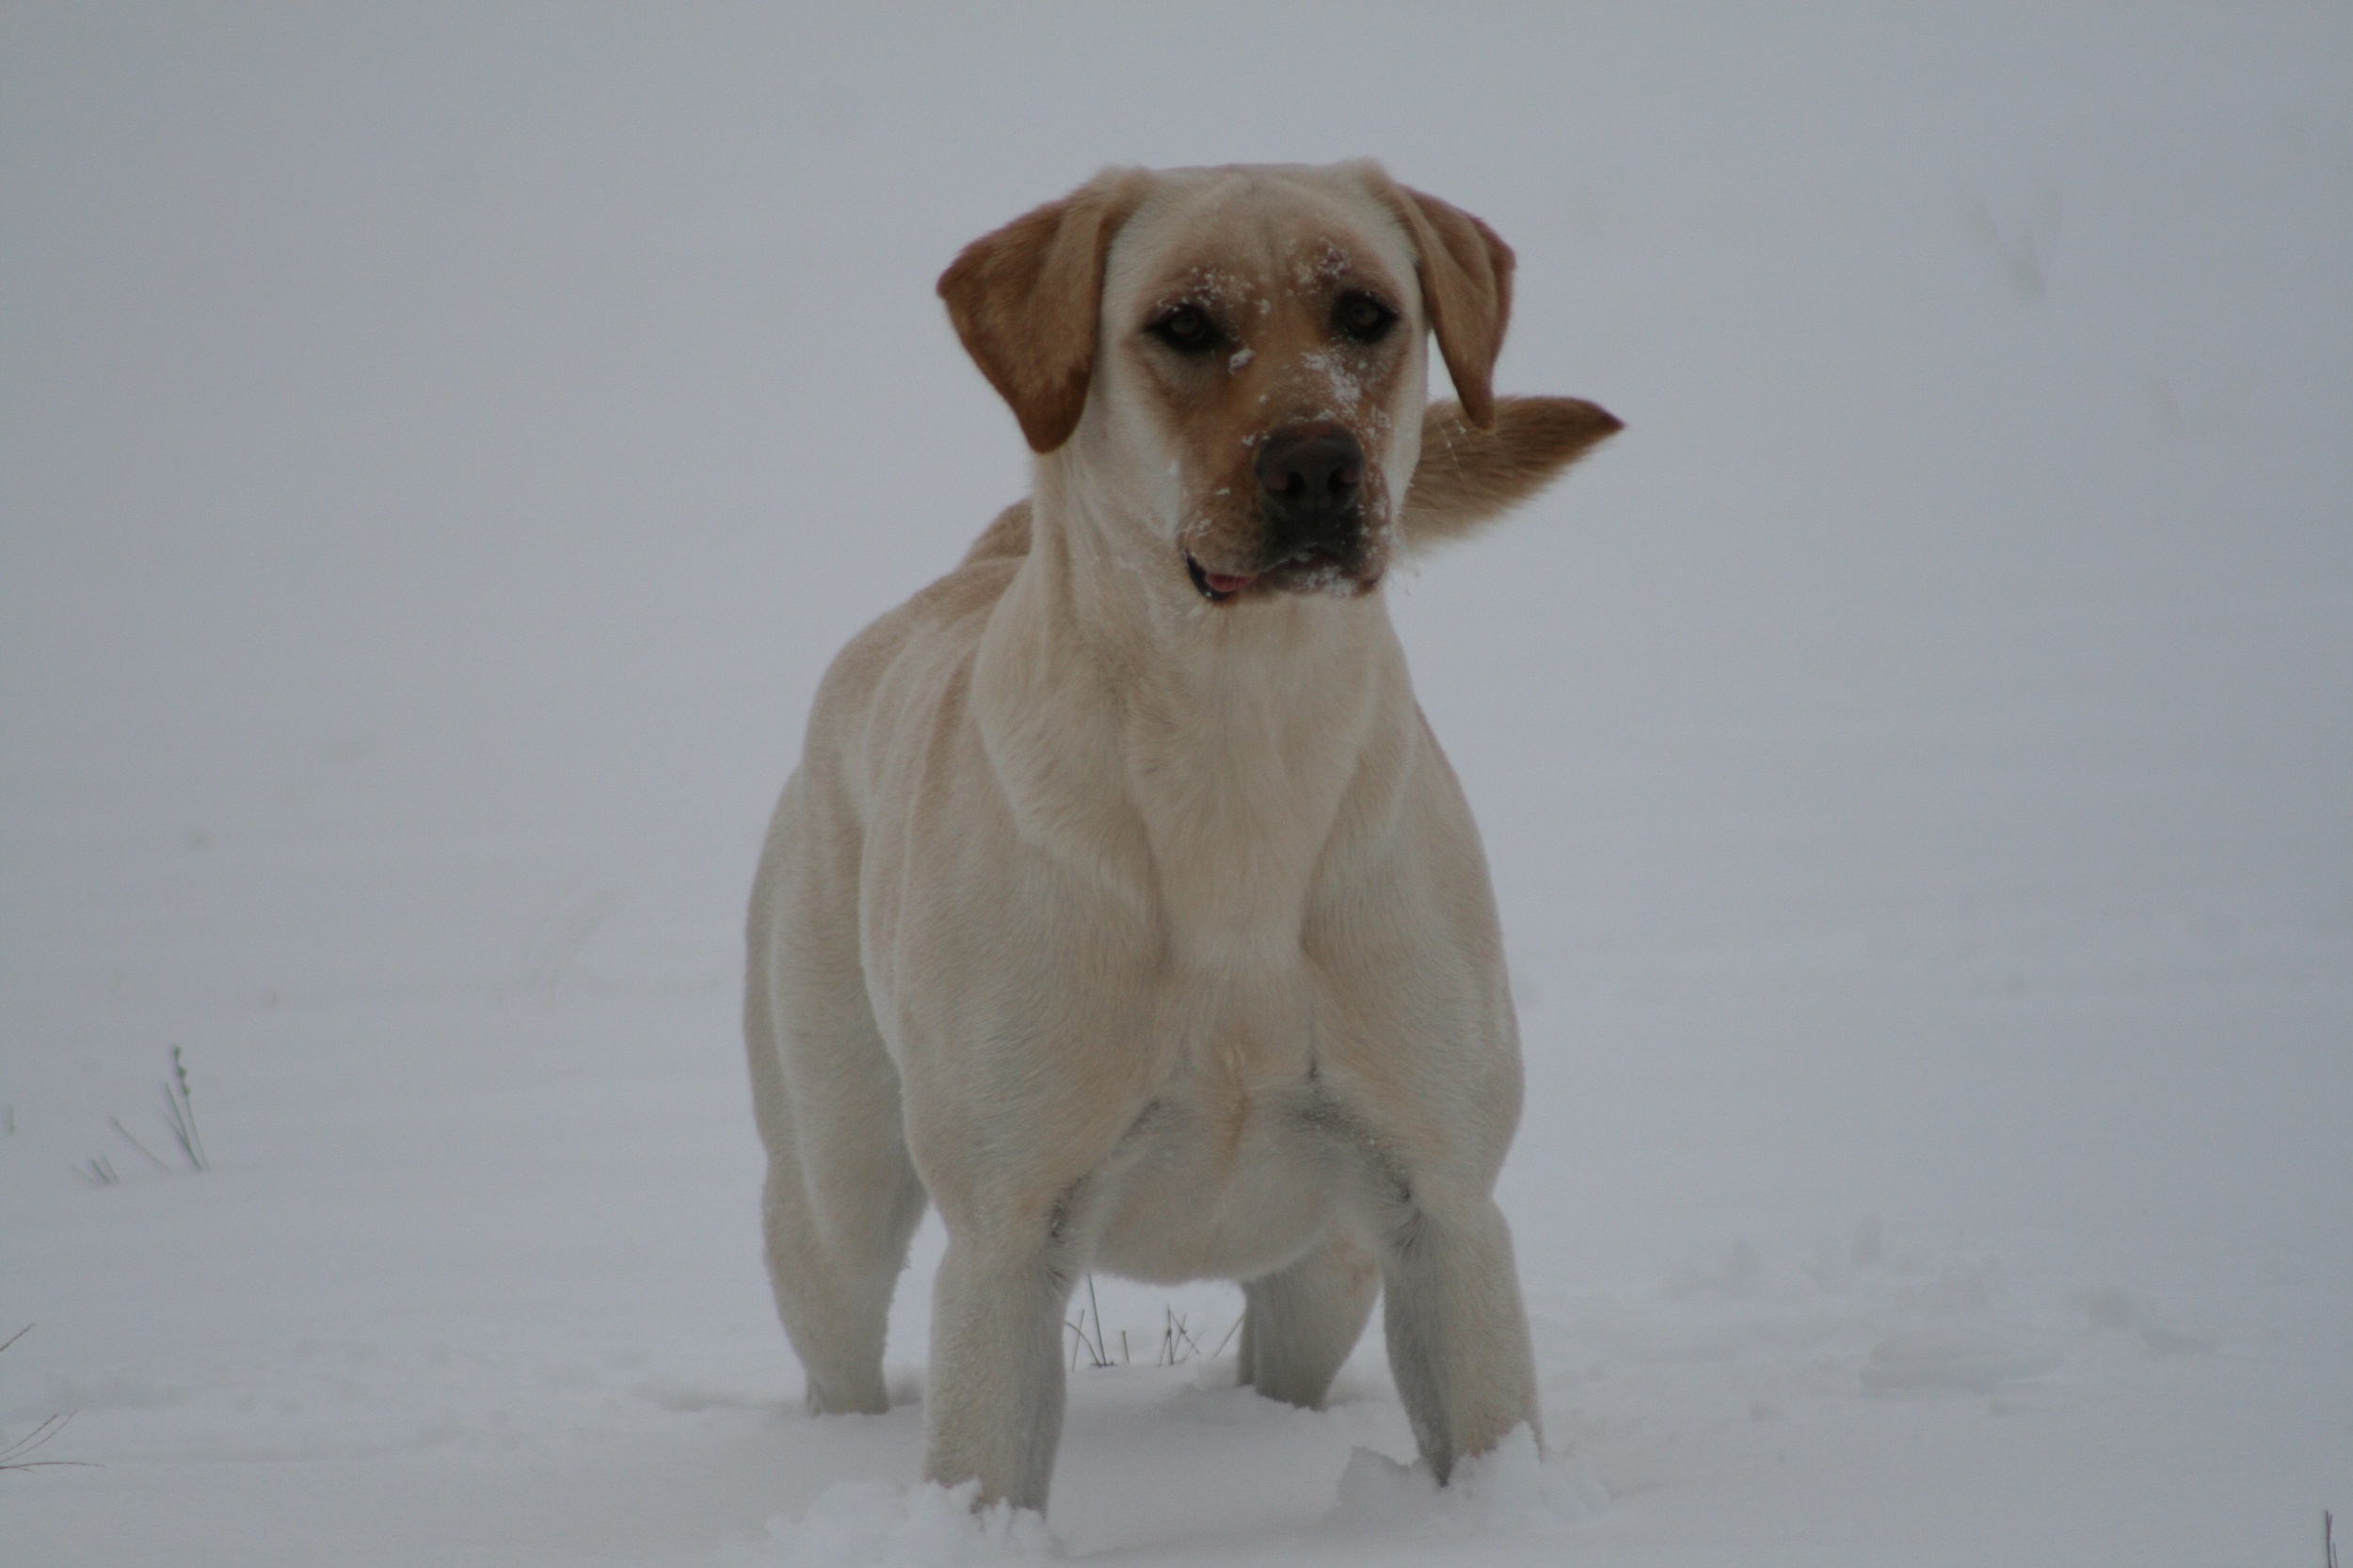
<point x="842" y="1198"/>
<point x="834" y="1251"/>
<point x="1299" y="1323"/>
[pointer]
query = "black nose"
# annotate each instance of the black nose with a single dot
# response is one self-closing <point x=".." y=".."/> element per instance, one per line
<point x="1308" y="475"/>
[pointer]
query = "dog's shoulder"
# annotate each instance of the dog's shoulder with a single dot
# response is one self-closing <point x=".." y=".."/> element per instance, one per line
<point x="940" y="624"/>
<point x="1007" y="538"/>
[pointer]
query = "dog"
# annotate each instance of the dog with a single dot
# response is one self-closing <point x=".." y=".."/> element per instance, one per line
<point x="1123" y="905"/>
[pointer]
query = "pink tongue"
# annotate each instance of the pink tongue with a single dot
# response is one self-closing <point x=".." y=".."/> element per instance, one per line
<point x="1220" y="583"/>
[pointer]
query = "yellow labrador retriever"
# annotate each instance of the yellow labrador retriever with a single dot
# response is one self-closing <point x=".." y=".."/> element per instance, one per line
<point x="1123" y="905"/>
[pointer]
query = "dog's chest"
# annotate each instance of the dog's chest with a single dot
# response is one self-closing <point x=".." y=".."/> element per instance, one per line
<point x="1238" y="805"/>
<point x="1225" y="1174"/>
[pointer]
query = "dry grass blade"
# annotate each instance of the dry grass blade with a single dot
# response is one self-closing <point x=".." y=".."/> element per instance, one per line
<point x="13" y="1457"/>
<point x="116" y="1122"/>
<point x="180" y="1113"/>
<point x="1097" y="1354"/>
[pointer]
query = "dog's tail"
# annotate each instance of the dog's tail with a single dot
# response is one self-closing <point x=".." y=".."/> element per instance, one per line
<point x="1006" y="539"/>
<point x="1468" y="476"/>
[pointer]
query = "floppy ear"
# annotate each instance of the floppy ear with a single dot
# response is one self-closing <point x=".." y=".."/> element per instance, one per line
<point x="1468" y="476"/>
<point x="1465" y="273"/>
<point x="1024" y="300"/>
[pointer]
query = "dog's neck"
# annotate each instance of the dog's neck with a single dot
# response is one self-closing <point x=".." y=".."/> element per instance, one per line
<point x="1199" y="755"/>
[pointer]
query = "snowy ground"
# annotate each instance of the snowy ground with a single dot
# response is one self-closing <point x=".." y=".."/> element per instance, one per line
<point x="439" y="449"/>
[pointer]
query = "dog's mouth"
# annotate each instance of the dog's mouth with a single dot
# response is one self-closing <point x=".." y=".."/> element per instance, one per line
<point x="1218" y="586"/>
<point x="1309" y="571"/>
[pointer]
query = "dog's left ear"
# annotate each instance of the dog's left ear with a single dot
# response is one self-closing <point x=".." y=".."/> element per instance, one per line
<point x="1025" y="300"/>
<point x="1465" y="273"/>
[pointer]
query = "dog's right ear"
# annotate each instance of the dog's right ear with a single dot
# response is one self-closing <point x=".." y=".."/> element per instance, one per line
<point x="1025" y="300"/>
<point x="1469" y="475"/>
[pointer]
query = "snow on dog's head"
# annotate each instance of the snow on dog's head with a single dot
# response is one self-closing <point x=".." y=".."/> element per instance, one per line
<point x="1244" y="349"/>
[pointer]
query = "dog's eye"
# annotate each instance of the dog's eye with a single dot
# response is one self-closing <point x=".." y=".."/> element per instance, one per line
<point x="1187" y="330"/>
<point x="1364" y="318"/>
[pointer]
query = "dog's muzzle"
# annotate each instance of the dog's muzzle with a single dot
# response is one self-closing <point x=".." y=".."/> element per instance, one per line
<point x="1311" y="481"/>
<point x="1310" y="488"/>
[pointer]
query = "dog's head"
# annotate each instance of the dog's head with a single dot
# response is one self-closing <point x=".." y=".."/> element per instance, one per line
<point x="1245" y="349"/>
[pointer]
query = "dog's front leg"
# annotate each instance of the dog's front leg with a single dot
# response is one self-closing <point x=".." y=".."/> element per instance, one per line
<point x="1456" y="1328"/>
<point x="993" y="1400"/>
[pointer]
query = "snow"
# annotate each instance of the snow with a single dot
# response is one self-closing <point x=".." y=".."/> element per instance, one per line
<point x="440" y="447"/>
<point x="1513" y="1490"/>
<point x="861" y="1522"/>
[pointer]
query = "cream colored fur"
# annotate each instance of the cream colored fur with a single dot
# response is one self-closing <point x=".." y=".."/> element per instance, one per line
<point x="1138" y="931"/>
